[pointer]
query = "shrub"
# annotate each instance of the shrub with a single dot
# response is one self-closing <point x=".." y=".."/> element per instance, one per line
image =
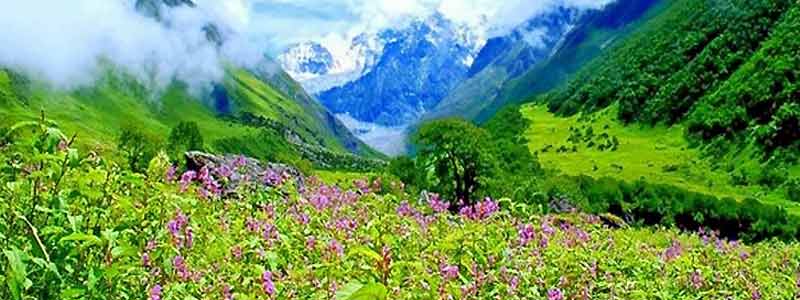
<point x="184" y="137"/>
<point x="136" y="148"/>
<point x="793" y="189"/>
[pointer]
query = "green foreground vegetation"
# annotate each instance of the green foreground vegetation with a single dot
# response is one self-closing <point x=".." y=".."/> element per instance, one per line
<point x="79" y="226"/>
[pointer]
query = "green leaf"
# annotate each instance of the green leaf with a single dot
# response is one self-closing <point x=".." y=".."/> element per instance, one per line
<point x="362" y="250"/>
<point x="16" y="273"/>
<point x="123" y="251"/>
<point x="358" y="291"/>
<point x="88" y="239"/>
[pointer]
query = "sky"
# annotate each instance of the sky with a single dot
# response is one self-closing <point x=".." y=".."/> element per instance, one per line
<point x="284" y="22"/>
<point x="68" y="43"/>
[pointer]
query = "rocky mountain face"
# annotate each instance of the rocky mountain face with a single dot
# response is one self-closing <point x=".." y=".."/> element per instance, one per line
<point x="538" y="56"/>
<point x="419" y="65"/>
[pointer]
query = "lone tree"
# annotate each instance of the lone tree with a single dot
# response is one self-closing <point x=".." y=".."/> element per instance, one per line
<point x="184" y="137"/>
<point x="452" y="154"/>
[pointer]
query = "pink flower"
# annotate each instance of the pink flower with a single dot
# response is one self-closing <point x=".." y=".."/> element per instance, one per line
<point x="155" y="292"/>
<point x="169" y="176"/>
<point x="146" y="260"/>
<point x="405" y="210"/>
<point x="437" y="205"/>
<point x="555" y="294"/>
<point x="448" y="272"/>
<point x="673" y="252"/>
<point x="236" y="252"/>
<point x="311" y="243"/>
<point x="336" y="248"/>
<point x="526" y="234"/>
<point x="696" y="280"/>
<point x="180" y="268"/>
<point x="266" y="283"/>
<point x="227" y="294"/>
<point x="186" y="179"/>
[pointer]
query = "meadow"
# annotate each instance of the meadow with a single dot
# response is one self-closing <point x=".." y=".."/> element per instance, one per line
<point x="598" y="145"/>
<point x="80" y="226"/>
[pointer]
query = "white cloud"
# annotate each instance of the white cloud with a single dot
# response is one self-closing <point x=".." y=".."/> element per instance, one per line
<point x="67" y="42"/>
<point x="290" y="21"/>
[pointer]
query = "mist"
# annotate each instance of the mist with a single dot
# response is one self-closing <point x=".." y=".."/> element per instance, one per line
<point x="70" y="44"/>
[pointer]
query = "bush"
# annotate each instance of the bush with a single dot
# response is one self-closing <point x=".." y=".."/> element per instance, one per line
<point x="183" y="138"/>
<point x="136" y="148"/>
<point x="793" y="189"/>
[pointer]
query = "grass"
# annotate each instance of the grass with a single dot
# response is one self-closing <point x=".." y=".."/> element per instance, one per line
<point x="655" y="154"/>
<point x="100" y="111"/>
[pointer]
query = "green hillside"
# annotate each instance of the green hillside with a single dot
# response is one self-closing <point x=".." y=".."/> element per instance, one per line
<point x="597" y="145"/>
<point x="241" y="113"/>
<point x="701" y="97"/>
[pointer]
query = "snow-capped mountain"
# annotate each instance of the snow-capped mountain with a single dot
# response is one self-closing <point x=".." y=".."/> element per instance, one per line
<point x="406" y="71"/>
<point x="320" y="68"/>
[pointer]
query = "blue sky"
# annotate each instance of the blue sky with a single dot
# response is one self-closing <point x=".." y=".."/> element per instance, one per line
<point x="284" y="22"/>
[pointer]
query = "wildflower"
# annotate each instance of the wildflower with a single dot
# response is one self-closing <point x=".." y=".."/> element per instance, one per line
<point x="362" y="186"/>
<point x="273" y="178"/>
<point x="673" y="252"/>
<point x="236" y="252"/>
<point x="744" y="255"/>
<point x="155" y="292"/>
<point x="169" y="176"/>
<point x="151" y="245"/>
<point x="311" y="243"/>
<point x="146" y="260"/>
<point x="186" y="179"/>
<point x="583" y="236"/>
<point x="437" y="205"/>
<point x="227" y="294"/>
<point x="756" y="295"/>
<point x="526" y="234"/>
<point x="513" y="284"/>
<point x="405" y="210"/>
<point x="696" y="280"/>
<point x="547" y="229"/>
<point x="448" y="272"/>
<point x="336" y="248"/>
<point x="180" y="267"/>
<point x="189" y="237"/>
<point x="555" y="294"/>
<point x="267" y="284"/>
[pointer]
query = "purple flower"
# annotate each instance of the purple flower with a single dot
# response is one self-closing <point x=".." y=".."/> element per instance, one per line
<point x="180" y="267"/>
<point x="189" y="237"/>
<point x="555" y="294"/>
<point x="273" y="178"/>
<point x="236" y="252"/>
<point x="336" y="248"/>
<point x="673" y="252"/>
<point x="547" y="229"/>
<point x="227" y="294"/>
<point x="311" y="243"/>
<point x="448" y="272"/>
<point x="437" y="205"/>
<point x="267" y="284"/>
<point x="696" y="280"/>
<point x="481" y="210"/>
<point x="405" y="210"/>
<point x="186" y="179"/>
<point x="155" y="292"/>
<point x="170" y="174"/>
<point x="146" y="260"/>
<point x="756" y="295"/>
<point x="526" y="234"/>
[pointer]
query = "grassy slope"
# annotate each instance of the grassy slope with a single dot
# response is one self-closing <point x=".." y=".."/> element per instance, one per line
<point x="657" y="154"/>
<point x="99" y="112"/>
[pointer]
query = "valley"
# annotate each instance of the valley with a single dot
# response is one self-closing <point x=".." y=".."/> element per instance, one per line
<point x="374" y="150"/>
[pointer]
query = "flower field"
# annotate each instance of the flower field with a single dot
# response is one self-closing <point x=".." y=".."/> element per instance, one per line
<point x="80" y="227"/>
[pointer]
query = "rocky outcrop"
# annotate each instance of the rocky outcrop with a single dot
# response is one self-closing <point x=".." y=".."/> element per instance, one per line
<point x="231" y="171"/>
